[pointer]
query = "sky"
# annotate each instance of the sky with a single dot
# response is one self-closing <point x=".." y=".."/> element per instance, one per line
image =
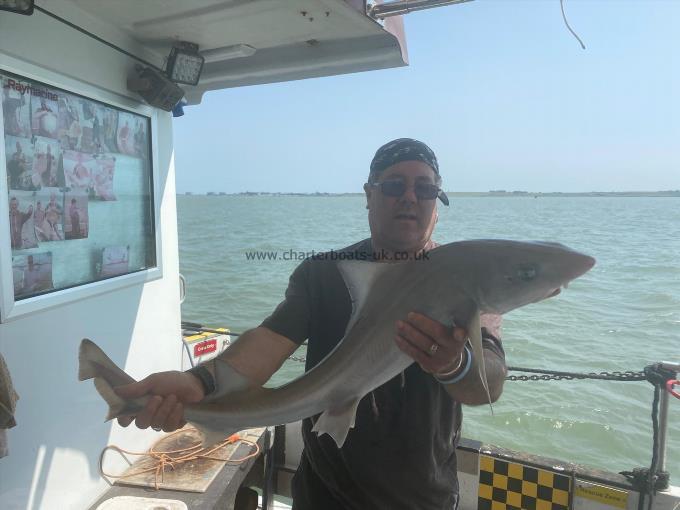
<point x="499" y="89"/>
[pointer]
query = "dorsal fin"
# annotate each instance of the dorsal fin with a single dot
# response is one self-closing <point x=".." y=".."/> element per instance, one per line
<point x="360" y="276"/>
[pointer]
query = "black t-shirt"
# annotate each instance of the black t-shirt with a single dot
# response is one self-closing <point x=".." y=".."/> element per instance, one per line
<point x="401" y="453"/>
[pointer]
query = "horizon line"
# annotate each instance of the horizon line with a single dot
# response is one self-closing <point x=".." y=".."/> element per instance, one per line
<point x="491" y="192"/>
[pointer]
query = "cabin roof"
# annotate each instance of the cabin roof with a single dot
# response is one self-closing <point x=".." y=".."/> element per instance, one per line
<point x="293" y="39"/>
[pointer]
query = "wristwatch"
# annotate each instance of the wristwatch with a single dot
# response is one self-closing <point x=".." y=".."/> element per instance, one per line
<point x="206" y="378"/>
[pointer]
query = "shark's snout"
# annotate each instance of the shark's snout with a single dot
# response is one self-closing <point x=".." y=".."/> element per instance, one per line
<point x="581" y="265"/>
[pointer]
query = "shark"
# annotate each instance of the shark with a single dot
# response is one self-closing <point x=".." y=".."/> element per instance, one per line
<point x="453" y="284"/>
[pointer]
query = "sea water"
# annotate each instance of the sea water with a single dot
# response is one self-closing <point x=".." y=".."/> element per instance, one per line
<point x="622" y="315"/>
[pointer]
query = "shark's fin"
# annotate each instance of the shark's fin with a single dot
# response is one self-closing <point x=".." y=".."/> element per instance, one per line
<point x="336" y="422"/>
<point x="117" y="405"/>
<point x="93" y="362"/>
<point x="210" y="436"/>
<point x="474" y="329"/>
<point x="359" y="277"/>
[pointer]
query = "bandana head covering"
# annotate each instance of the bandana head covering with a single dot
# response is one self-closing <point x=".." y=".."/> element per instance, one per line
<point x="405" y="149"/>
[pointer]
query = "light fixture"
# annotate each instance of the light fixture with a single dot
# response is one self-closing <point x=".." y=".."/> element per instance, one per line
<point x="18" y="6"/>
<point x="185" y="63"/>
<point x="155" y="88"/>
<point x="228" y="52"/>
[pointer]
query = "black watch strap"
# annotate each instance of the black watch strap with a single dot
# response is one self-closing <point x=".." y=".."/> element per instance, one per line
<point x="206" y="378"/>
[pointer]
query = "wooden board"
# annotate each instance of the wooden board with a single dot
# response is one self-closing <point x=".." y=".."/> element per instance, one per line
<point x="191" y="476"/>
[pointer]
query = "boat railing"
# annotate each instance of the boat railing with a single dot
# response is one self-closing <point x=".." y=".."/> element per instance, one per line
<point x="662" y="375"/>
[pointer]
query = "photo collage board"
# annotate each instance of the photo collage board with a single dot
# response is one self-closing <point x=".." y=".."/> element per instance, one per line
<point x="80" y="188"/>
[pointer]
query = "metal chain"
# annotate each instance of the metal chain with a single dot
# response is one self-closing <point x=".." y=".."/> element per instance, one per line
<point x="553" y="375"/>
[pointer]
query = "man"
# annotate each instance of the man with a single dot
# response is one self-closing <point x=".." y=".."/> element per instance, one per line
<point x="33" y="278"/>
<point x="74" y="216"/>
<point x="41" y="228"/>
<point x="16" y="223"/>
<point x="47" y="169"/>
<point x="16" y="167"/>
<point x="53" y="213"/>
<point x="401" y="452"/>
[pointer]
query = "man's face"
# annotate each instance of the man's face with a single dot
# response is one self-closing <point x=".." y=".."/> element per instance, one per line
<point x="13" y="204"/>
<point x="402" y="223"/>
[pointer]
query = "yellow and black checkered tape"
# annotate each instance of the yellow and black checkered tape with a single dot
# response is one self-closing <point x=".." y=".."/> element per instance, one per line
<point x="510" y="486"/>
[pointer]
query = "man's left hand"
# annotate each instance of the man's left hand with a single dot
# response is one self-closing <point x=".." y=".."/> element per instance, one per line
<point x="438" y="349"/>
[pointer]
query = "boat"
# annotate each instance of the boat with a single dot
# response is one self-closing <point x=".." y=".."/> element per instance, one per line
<point x="97" y="83"/>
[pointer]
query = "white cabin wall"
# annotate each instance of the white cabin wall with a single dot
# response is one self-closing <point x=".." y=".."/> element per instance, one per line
<point x="60" y="432"/>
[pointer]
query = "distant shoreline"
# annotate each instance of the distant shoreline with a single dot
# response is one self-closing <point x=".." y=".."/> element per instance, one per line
<point x="525" y="194"/>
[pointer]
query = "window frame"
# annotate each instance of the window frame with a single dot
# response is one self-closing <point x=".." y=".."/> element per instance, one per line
<point x="11" y="309"/>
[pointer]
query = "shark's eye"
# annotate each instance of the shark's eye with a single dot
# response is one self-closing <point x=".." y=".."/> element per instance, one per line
<point x="526" y="273"/>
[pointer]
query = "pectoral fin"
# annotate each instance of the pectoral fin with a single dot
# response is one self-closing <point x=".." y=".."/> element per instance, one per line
<point x="337" y="421"/>
<point x="474" y="329"/>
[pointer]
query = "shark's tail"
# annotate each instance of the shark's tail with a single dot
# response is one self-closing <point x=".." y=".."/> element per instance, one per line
<point x="86" y="368"/>
<point x="117" y="405"/>
<point x="93" y="362"/>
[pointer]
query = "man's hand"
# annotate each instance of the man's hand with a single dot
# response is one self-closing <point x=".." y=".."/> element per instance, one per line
<point x="169" y="391"/>
<point x="437" y="349"/>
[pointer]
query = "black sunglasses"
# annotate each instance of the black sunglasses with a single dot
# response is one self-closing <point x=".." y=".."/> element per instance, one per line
<point x="422" y="190"/>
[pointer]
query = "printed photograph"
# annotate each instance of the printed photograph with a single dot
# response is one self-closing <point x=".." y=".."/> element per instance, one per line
<point x="78" y="169"/>
<point x="32" y="274"/>
<point x="76" y="222"/>
<point x="140" y="137"/>
<point x="132" y="136"/>
<point x="115" y="261"/>
<point x="44" y="115"/>
<point x="102" y="179"/>
<point x="46" y="154"/>
<point x="21" y="224"/>
<point x="16" y="108"/>
<point x="87" y="118"/>
<point x="109" y="118"/>
<point x="19" y="156"/>
<point x="70" y="128"/>
<point x="49" y="215"/>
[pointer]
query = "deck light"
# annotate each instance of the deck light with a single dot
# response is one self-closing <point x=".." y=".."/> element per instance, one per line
<point x="155" y="88"/>
<point x="228" y="52"/>
<point x="18" y="6"/>
<point x="185" y="63"/>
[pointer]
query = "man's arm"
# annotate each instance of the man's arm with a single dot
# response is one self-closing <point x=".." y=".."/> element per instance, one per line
<point x="257" y="354"/>
<point x="27" y="215"/>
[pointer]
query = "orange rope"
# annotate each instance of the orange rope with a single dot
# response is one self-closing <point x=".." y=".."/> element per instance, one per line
<point x="165" y="458"/>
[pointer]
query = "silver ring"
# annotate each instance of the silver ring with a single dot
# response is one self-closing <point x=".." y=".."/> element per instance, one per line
<point x="433" y="348"/>
<point x="157" y="429"/>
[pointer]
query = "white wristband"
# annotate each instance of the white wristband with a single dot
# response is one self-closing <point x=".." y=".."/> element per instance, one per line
<point x="455" y="377"/>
